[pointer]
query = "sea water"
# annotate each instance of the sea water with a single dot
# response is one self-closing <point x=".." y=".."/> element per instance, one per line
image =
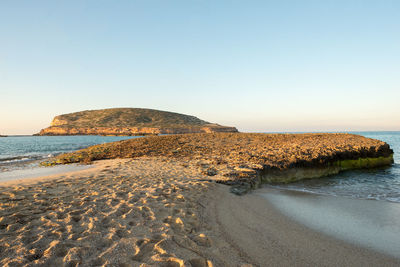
<point x="367" y="223"/>
<point x="22" y="152"/>
<point x="378" y="184"/>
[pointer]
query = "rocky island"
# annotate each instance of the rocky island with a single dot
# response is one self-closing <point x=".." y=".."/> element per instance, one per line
<point x="246" y="160"/>
<point x="129" y="121"/>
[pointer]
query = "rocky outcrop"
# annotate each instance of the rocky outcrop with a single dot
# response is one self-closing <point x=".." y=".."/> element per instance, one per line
<point x="129" y="121"/>
<point x="247" y="160"/>
<point x="334" y="167"/>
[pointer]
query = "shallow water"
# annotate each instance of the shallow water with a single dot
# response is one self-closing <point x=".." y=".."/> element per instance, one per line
<point x="35" y="172"/>
<point x="368" y="223"/>
<point x="378" y="184"/>
<point x="21" y="152"/>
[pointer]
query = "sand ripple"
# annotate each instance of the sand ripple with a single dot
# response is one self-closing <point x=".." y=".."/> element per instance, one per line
<point x="123" y="213"/>
<point x="157" y="212"/>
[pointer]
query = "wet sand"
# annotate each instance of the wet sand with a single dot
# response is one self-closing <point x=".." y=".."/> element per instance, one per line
<point x="266" y="236"/>
<point x="21" y="176"/>
<point x="368" y="223"/>
<point x="156" y="212"/>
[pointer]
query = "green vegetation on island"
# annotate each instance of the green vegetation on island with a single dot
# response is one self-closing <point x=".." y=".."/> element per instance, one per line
<point x="129" y="121"/>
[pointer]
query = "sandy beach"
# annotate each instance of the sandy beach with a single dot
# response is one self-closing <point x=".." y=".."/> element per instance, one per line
<point x="156" y="212"/>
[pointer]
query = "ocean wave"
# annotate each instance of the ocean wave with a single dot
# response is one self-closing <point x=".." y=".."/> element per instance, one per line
<point x="20" y="159"/>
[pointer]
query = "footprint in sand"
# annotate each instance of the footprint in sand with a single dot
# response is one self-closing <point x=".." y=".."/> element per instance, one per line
<point x="201" y="240"/>
<point x="143" y="248"/>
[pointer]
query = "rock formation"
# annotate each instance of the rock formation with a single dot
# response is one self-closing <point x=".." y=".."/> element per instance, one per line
<point x="129" y="121"/>
<point x="246" y="160"/>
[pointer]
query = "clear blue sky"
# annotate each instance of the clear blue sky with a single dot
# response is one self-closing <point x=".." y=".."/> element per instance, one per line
<point x="258" y="65"/>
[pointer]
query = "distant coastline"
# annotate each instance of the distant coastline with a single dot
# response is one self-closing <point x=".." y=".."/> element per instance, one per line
<point x="17" y="135"/>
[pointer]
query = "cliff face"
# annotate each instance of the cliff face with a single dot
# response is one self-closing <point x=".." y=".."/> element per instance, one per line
<point x="57" y="130"/>
<point x="129" y="121"/>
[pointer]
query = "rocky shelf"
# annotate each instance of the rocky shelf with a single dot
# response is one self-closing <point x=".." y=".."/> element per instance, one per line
<point x="246" y="160"/>
<point x="129" y="121"/>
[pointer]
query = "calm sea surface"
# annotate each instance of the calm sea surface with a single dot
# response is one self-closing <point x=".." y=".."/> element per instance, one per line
<point x="378" y="184"/>
<point x="18" y="152"/>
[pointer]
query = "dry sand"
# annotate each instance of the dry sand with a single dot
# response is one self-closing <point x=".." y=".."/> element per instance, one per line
<point x="155" y="212"/>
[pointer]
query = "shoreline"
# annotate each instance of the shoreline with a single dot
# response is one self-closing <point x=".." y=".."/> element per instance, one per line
<point x="267" y="236"/>
<point x="37" y="173"/>
<point x="371" y="224"/>
<point x="157" y="211"/>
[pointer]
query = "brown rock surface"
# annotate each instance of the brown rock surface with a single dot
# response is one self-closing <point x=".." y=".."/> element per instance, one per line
<point x="240" y="156"/>
<point x="129" y="121"/>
